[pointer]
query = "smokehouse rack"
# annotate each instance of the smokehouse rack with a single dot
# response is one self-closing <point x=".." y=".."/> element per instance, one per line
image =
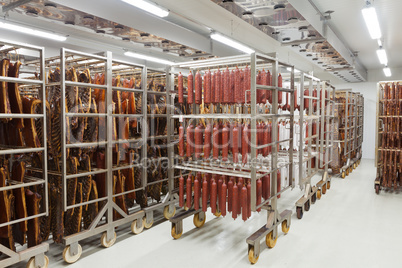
<point x="231" y="145"/>
<point x="359" y="129"/>
<point x="23" y="190"/>
<point x="107" y="147"/>
<point x="388" y="159"/>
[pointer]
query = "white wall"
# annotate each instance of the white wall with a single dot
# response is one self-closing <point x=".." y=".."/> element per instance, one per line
<point x="369" y="91"/>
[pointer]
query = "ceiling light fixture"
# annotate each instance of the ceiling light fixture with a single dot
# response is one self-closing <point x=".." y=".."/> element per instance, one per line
<point x="229" y="42"/>
<point x="290" y="69"/>
<point x="149" y="58"/>
<point x="148" y="7"/>
<point x="26" y="30"/>
<point x="382" y="56"/>
<point x="387" y="72"/>
<point x="371" y="19"/>
<point x="379" y="42"/>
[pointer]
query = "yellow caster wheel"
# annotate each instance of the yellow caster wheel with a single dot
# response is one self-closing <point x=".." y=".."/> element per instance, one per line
<point x="166" y="213"/>
<point x="324" y="189"/>
<point x="217" y="213"/>
<point x="148" y="225"/>
<point x="328" y="185"/>
<point x="319" y="194"/>
<point x="354" y="166"/>
<point x="350" y="169"/>
<point x="135" y="229"/>
<point x="251" y="258"/>
<point x="174" y="235"/>
<point x="347" y="172"/>
<point x="31" y="263"/>
<point x="197" y="222"/>
<point x="270" y="241"/>
<point x="285" y="228"/>
<point x="71" y="258"/>
<point x="108" y="244"/>
<point x="343" y="174"/>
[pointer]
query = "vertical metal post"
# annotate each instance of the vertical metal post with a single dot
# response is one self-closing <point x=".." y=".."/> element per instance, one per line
<point x="42" y="94"/>
<point x="274" y="158"/>
<point x="170" y="144"/>
<point x="144" y="128"/>
<point x="253" y="103"/>
<point x="291" y="138"/>
<point x="109" y="137"/>
<point x="63" y="125"/>
<point x="301" y="122"/>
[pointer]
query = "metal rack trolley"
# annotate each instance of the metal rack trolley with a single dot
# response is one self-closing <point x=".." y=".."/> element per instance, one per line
<point x="104" y="222"/>
<point x="36" y="254"/>
<point x="359" y="128"/>
<point x="384" y="149"/>
<point x="274" y="218"/>
<point x="349" y="128"/>
<point x="308" y="153"/>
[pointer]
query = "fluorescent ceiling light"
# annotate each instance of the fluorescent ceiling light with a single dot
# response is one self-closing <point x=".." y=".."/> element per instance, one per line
<point x="30" y="31"/>
<point x="382" y="56"/>
<point x="148" y="7"/>
<point x="387" y="72"/>
<point x="231" y="43"/>
<point x="149" y="58"/>
<point x="370" y="17"/>
<point x="379" y="42"/>
<point x="290" y="69"/>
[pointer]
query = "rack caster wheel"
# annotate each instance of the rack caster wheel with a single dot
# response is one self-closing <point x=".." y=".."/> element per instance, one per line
<point x="270" y="241"/>
<point x="135" y="229"/>
<point x="354" y="166"/>
<point x="148" y="225"/>
<point x="313" y="198"/>
<point x="307" y="206"/>
<point x="218" y="213"/>
<point x="319" y="194"/>
<point x="328" y="185"/>
<point x="108" y="244"/>
<point x="31" y="263"/>
<point x="350" y="169"/>
<point x="377" y="189"/>
<point x="299" y="213"/>
<point x="347" y="172"/>
<point x="251" y="258"/>
<point x="343" y="174"/>
<point x="324" y="189"/>
<point x="174" y="234"/>
<point x="285" y="228"/>
<point x="166" y="213"/>
<point x="197" y="222"/>
<point x="71" y="258"/>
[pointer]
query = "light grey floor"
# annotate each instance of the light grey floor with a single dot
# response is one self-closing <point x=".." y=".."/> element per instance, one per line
<point x="350" y="226"/>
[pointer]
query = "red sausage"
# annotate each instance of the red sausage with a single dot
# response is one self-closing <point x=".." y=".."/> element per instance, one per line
<point x="315" y="101"/>
<point x="209" y="181"/>
<point x="260" y="136"/>
<point x="218" y="82"/>
<point x="248" y="199"/>
<point x="213" y="87"/>
<point x="180" y="88"/>
<point x="204" y="195"/>
<point x="226" y="86"/>
<point x="243" y="200"/>
<point x="259" y="82"/>
<point x="207" y="141"/>
<point x="269" y="83"/>
<point x="220" y="182"/>
<point x="225" y="143"/>
<point x="215" y="142"/>
<point x="269" y="137"/>
<point x="279" y="92"/>
<point x="230" y="194"/>
<point x="198" y="88"/>
<point x="265" y="140"/>
<point x="198" y="141"/>
<point x="188" y="191"/>
<point x="244" y="145"/>
<point x="249" y="138"/>
<point x="222" y="197"/>
<point x="235" y="201"/>
<point x="237" y="86"/>
<point x="207" y="87"/>
<point x="181" y="191"/>
<point x="181" y="140"/>
<point x="242" y="86"/>
<point x="197" y="192"/>
<point x="240" y="182"/>
<point x="264" y="189"/>
<point x="214" y="192"/>
<point x="235" y="147"/>
<point x="259" y="193"/>
<point x="296" y="100"/>
<point x="247" y="83"/>
<point x="190" y="97"/>
<point x="306" y="100"/>
<point x="264" y="81"/>
<point x="232" y="87"/>
<point x="190" y="140"/>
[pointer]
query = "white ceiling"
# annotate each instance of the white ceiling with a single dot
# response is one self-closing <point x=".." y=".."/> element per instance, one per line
<point x="348" y="21"/>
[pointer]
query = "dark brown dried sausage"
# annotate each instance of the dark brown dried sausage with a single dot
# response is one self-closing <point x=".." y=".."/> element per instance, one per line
<point x="181" y="191"/>
<point x="204" y="195"/>
<point x="188" y="191"/>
